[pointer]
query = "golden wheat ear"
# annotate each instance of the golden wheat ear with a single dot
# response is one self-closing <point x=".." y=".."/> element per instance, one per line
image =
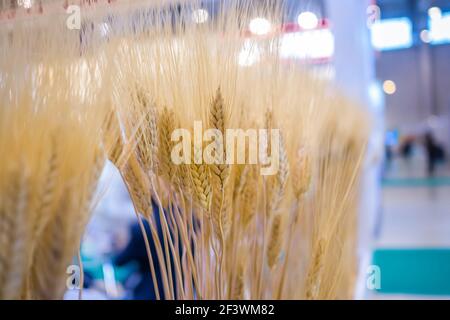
<point x="220" y="171"/>
<point x="14" y="235"/>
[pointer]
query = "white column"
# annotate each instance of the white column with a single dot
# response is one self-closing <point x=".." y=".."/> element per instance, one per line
<point x="353" y="58"/>
<point x="355" y="74"/>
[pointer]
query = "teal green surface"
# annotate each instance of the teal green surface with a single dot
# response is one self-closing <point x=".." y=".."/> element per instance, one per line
<point x="414" y="271"/>
<point x="95" y="269"/>
<point x="416" y="182"/>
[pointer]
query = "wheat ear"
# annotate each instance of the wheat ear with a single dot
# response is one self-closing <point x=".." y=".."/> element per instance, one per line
<point x="147" y="138"/>
<point x="279" y="187"/>
<point x="167" y="125"/>
<point x="275" y="241"/>
<point x="112" y="139"/>
<point x="277" y="194"/>
<point x="238" y="290"/>
<point x="45" y="202"/>
<point x="312" y="285"/>
<point x="302" y="175"/>
<point x="45" y="276"/>
<point x="13" y="237"/>
<point x="47" y="193"/>
<point x="220" y="172"/>
<point x="201" y="184"/>
<point x="249" y="194"/>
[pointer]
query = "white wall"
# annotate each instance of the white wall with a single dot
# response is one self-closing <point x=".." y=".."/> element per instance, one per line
<point x="407" y="105"/>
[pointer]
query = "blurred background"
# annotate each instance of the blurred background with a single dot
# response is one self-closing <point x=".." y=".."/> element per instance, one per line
<point x="392" y="56"/>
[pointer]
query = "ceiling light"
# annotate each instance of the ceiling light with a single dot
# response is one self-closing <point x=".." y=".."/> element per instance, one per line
<point x="435" y="13"/>
<point x="308" y="20"/>
<point x="389" y="87"/>
<point x="425" y="36"/>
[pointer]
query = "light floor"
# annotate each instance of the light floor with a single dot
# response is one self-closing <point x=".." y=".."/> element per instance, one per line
<point x="413" y="216"/>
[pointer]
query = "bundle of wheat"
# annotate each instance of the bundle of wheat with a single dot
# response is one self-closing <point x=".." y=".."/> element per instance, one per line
<point x="227" y="230"/>
<point x="267" y="210"/>
<point x="51" y="129"/>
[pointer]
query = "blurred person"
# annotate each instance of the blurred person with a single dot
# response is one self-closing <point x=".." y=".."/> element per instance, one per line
<point x="135" y="251"/>
<point x="389" y="153"/>
<point x="435" y="153"/>
<point x="390" y="143"/>
<point x="406" y="148"/>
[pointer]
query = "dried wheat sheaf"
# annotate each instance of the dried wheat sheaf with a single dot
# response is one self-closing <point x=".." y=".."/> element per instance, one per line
<point x="221" y="230"/>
